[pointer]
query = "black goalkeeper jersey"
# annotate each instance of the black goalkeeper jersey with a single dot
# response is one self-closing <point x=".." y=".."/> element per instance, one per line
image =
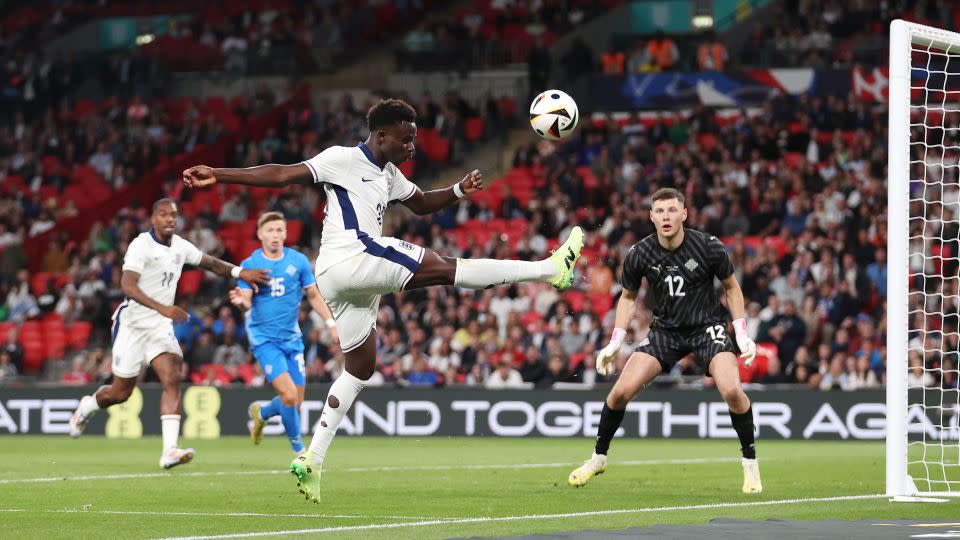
<point x="684" y="293"/>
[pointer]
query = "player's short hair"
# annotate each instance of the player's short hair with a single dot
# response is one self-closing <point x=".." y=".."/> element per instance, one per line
<point x="268" y="217"/>
<point x="665" y="194"/>
<point x="163" y="201"/>
<point x="388" y="112"/>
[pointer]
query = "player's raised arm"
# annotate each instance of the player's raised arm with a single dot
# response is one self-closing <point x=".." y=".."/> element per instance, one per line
<point x="271" y="175"/>
<point x="130" y="285"/>
<point x="422" y="203"/>
<point x="223" y="268"/>
<point x="734" y="297"/>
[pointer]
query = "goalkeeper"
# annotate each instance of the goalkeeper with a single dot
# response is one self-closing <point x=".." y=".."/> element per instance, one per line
<point x="680" y="265"/>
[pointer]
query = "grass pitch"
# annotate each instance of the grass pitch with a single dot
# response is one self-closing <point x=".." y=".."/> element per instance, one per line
<point x="54" y="487"/>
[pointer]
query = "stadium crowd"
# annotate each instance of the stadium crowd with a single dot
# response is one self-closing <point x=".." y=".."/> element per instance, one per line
<point x="797" y="192"/>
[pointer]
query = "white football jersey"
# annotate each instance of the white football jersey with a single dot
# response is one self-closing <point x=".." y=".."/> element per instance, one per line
<point x="159" y="267"/>
<point x="358" y="191"/>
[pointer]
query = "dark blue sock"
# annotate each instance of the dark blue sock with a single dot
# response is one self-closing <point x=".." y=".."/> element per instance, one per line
<point x="290" y="416"/>
<point x="271" y="409"/>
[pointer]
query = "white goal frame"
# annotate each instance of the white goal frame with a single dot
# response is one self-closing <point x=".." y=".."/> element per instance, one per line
<point x="904" y="36"/>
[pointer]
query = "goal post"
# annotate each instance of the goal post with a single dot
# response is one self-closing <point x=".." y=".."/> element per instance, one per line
<point x="923" y="205"/>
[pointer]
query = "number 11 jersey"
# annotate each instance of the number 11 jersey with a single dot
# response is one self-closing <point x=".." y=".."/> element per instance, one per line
<point x="159" y="266"/>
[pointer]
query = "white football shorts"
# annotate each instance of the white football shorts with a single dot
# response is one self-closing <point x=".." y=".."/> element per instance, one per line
<point x="352" y="287"/>
<point x="134" y="348"/>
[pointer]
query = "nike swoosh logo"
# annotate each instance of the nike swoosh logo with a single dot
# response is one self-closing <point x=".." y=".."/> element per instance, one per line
<point x="365" y="180"/>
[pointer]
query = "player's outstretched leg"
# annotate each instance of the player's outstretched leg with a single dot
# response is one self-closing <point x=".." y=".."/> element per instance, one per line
<point x="641" y="368"/>
<point x="726" y="374"/>
<point x="557" y="270"/>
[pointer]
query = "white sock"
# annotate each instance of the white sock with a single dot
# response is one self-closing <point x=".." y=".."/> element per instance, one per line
<point x="483" y="273"/>
<point x="339" y="400"/>
<point x="170" y="427"/>
<point x="88" y="405"/>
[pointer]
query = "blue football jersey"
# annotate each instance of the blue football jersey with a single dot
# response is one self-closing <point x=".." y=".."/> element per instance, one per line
<point x="273" y="316"/>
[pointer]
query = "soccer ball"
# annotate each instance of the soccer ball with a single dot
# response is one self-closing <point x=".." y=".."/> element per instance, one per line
<point x="554" y="115"/>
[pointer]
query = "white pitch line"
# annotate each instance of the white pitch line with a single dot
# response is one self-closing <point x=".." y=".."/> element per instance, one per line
<point x="207" y="514"/>
<point x="138" y="475"/>
<point x="525" y="517"/>
<point x="358" y="470"/>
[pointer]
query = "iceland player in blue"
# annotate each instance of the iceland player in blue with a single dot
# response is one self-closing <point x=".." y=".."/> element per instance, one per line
<point x="272" y="326"/>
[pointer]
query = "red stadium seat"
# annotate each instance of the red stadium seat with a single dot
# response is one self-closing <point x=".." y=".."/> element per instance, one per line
<point x="56" y="345"/>
<point x="78" y="334"/>
<point x="5" y="328"/>
<point x="407" y="168"/>
<point x="473" y="128"/>
<point x="438" y="151"/>
<point x="294" y="228"/>
<point x="34" y="353"/>
<point x="190" y="282"/>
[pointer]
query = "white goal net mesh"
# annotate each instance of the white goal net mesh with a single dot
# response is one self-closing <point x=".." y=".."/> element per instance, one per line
<point x="933" y="335"/>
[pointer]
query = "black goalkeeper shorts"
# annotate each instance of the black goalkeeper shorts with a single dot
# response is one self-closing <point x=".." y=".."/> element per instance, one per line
<point x="670" y="346"/>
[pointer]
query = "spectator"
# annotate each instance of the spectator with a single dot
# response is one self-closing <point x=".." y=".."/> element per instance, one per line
<point x="229" y="352"/>
<point x="660" y="54"/>
<point x="862" y="377"/>
<point x="13" y="349"/>
<point x="613" y="61"/>
<point x="836" y="378"/>
<point x="918" y="377"/>
<point x="8" y="371"/>
<point x="77" y="375"/>
<point x="504" y="377"/>
<point x="712" y="54"/>
<point x="421" y="374"/>
<point x="234" y="210"/>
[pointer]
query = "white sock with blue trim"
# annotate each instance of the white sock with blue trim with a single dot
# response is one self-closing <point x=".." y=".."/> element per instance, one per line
<point x="484" y="273"/>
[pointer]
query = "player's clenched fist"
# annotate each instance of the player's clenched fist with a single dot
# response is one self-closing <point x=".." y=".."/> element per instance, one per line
<point x="606" y="358"/>
<point x="199" y="176"/>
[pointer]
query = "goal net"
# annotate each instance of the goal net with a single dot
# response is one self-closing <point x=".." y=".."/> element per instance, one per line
<point x="923" y="292"/>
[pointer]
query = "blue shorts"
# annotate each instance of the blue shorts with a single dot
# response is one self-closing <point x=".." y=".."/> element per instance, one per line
<point x="278" y="358"/>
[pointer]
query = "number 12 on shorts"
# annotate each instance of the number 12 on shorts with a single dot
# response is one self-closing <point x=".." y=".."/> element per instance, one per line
<point x="716" y="333"/>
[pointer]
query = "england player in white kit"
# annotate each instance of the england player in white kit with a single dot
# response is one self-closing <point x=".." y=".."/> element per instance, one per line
<point x="356" y="264"/>
<point x="142" y="326"/>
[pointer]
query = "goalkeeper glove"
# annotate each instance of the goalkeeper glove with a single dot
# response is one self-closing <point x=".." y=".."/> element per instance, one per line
<point x="607" y="355"/>
<point x="748" y="349"/>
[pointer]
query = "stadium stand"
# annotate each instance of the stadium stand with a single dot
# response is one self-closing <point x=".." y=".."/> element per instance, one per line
<point x="794" y="187"/>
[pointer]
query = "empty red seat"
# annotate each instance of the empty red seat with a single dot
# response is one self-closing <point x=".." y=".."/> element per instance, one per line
<point x="34" y="353"/>
<point x="5" y="329"/>
<point x="473" y="128"/>
<point x="294" y="229"/>
<point x="56" y="345"/>
<point x="189" y="284"/>
<point x="78" y="334"/>
<point x="407" y="168"/>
